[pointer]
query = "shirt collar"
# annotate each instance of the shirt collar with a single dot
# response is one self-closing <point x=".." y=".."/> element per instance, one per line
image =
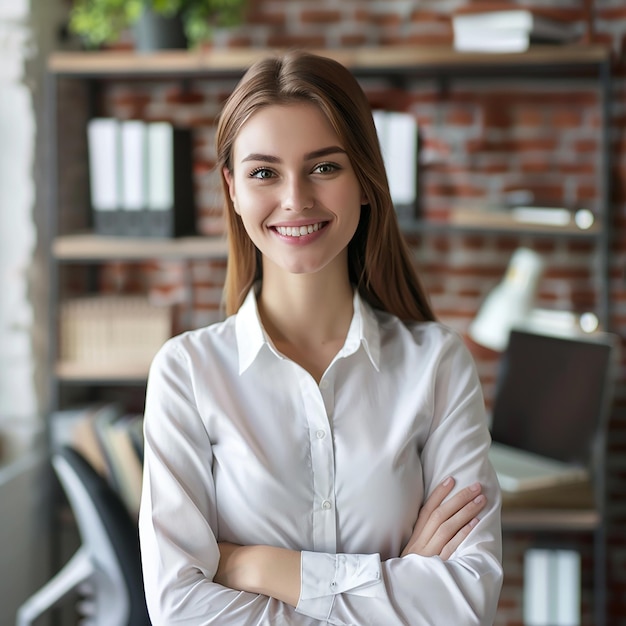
<point x="251" y="336"/>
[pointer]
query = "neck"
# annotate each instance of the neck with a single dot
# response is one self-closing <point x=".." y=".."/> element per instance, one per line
<point x="306" y="306"/>
<point x="307" y="316"/>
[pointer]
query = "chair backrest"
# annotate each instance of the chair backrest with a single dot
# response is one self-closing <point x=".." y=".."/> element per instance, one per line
<point x="108" y="532"/>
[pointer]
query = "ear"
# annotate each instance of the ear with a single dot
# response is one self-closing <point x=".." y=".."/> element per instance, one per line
<point x="364" y="199"/>
<point x="230" y="181"/>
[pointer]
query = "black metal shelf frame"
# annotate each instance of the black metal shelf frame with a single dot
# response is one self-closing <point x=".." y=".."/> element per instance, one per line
<point x="586" y="67"/>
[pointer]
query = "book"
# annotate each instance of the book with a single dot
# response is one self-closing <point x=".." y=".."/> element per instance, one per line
<point x="489" y="40"/>
<point x="552" y="580"/>
<point x="134" y="176"/>
<point x="161" y="150"/>
<point x="501" y="27"/>
<point x="110" y="440"/>
<point x="112" y="331"/>
<point x="141" y="177"/>
<point x="398" y="137"/>
<point x="125" y="466"/>
<point x="84" y="437"/>
<point x="103" y="149"/>
<point x="170" y="198"/>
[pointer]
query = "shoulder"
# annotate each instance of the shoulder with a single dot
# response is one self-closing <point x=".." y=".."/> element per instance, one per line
<point x="198" y="346"/>
<point x="431" y="344"/>
<point x="433" y="335"/>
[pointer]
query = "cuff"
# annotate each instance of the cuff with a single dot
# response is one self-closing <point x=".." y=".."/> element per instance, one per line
<point x="326" y="575"/>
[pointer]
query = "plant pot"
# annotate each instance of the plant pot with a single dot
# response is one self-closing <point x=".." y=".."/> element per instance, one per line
<point x="154" y="32"/>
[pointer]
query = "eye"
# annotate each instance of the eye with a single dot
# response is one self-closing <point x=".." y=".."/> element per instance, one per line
<point x="262" y="173"/>
<point x="326" y="168"/>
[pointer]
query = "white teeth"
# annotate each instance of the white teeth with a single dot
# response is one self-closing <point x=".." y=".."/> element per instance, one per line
<point x="296" y="231"/>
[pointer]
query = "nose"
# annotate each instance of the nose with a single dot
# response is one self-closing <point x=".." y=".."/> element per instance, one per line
<point x="297" y="194"/>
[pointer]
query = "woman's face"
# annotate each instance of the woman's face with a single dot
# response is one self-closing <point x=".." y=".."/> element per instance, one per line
<point x="293" y="185"/>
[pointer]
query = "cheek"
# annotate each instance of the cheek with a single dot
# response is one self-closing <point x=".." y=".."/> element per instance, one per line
<point x="253" y="208"/>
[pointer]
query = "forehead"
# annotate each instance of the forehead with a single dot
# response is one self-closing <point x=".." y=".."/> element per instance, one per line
<point x="286" y="127"/>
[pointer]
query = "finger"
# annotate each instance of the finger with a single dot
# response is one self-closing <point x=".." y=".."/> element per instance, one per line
<point x="446" y="510"/>
<point x="451" y="507"/>
<point x="459" y="500"/>
<point x="439" y="494"/>
<point x="448" y="536"/>
<point x="457" y="540"/>
<point x="448" y="529"/>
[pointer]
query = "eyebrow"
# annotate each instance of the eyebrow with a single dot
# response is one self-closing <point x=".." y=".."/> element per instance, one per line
<point x="316" y="154"/>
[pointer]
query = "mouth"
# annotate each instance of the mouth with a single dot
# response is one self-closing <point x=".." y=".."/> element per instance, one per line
<point x="299" y="231"/>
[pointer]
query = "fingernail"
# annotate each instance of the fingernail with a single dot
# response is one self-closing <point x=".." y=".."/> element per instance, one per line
<point x="475" y="487"/>
<point x="479" y="499"/>
<point x="473" y="522"/>
<point x="447" y="481"/>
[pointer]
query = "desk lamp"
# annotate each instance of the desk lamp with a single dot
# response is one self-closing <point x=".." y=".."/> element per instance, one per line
<point x="510" y="302"/>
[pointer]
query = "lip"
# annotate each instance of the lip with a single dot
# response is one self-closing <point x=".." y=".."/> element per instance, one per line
<point x="298" y="223"/>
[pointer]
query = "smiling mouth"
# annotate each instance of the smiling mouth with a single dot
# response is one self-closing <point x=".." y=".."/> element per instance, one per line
<point x="299" y="231"/>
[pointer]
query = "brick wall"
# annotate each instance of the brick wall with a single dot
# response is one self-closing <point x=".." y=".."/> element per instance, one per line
<point x="479" y="139"/>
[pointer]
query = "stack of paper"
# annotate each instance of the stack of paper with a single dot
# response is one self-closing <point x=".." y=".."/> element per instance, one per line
<point x="501" y="27"/>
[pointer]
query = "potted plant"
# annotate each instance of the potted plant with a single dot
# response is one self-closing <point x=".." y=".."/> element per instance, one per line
<point x="100" y="22"/>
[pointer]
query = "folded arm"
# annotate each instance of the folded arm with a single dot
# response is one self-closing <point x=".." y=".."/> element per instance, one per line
<point x="441" y="527"/>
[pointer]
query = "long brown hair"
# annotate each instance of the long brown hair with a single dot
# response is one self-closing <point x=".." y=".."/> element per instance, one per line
<point x="378" y="259"/>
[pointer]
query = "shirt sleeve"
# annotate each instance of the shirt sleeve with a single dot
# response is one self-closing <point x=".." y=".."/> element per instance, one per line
<point x="360" y="589"/>
<point x="177" y="522"/>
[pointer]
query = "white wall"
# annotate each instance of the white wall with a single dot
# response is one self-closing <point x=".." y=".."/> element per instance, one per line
<point x="27" y="33"/>
<point x="18" y="398"/>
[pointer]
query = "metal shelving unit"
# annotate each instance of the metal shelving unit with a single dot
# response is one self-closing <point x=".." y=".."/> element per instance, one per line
<point x="397" y="65"/>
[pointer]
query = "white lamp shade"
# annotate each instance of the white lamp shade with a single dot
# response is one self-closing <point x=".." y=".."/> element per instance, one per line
<point x="510" y="302"/>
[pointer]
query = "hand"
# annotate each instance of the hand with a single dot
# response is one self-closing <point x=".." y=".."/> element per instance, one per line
<point x="442" y="526"/>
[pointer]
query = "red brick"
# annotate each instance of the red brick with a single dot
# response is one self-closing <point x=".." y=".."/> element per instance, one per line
<point x="353" y="41"/>
<point x="320" y="16"/>
<point x="422" y="16"/>
<point x="585" y="145"/>
<point x="284" y="40"/>
<point x="263" y="17"/>
<point x="610" y="13"/>
<point x="566" y="118"/>
<point x="530" y="116"/>
<point x="181" y="96"/>
<point x="459" y="116"/>
<point x="383" y="20"/>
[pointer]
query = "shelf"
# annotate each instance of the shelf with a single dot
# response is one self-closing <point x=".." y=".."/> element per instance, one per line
<point x="88" y="247"/>
<point x="558" y="520"/>
<point x="419" y="226"/>
<point x="362" y="61"/>
<point x="129" y="373"/>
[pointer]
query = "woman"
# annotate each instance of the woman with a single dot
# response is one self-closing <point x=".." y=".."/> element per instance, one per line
<point x="320" y="457"/>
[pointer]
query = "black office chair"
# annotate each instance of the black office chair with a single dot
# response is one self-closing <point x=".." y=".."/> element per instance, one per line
<point x="107" y="562"/>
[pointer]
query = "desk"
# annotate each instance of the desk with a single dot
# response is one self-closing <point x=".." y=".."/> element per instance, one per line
<point x="567" y="507"/>
<point x="559" y="512"/>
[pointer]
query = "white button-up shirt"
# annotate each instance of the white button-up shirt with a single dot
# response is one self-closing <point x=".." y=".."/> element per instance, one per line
<point x="242" y="445"/>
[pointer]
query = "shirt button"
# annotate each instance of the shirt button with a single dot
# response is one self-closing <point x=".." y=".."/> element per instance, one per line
<point x="320" y="434"/>
<point x="324" y="384"/>
<point x="326" y="505"/>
